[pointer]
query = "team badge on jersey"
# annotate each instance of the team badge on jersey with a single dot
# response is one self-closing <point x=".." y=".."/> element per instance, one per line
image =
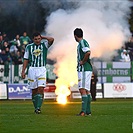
<point x="37" y="52"/>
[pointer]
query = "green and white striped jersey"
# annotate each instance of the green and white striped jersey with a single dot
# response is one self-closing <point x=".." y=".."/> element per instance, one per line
<point x="82" y="48"/>
<point x="36" y="54"/>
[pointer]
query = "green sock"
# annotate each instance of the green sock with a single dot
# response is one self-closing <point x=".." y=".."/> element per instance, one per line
<point x="88" y="109"/>
<point x="84" y="103"/>
<point x="34" y="100"/>
<point x="39" y="100"/>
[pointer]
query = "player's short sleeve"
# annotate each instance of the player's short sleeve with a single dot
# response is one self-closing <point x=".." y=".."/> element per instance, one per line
<point x="85" y="46"/>
<point x="85" y="49"/>
<point x="26" y="54"/>
<point x="45" y="43"/>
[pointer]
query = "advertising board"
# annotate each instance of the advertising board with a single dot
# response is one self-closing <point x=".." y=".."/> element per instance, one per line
<point x="3" y="91"/>
<point x="118" y="90"/>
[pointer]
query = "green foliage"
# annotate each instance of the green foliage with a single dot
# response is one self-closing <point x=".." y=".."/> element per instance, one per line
<point x="108" y="116"/>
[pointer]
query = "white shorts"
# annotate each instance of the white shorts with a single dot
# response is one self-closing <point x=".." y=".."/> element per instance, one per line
<point x="84" y="80"/>
<point x="36" y="77"/>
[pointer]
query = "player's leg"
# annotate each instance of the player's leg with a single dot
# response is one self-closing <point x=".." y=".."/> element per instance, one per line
<point x="94" y="92"/>
<point x="81" y="84"/>
<point x="41" y="81"/>
<point x="32" y="84"/>
<point x="84" y="101"/>
<point x="37" y="98"/>
<point x="88" y="81"/>
<point x="88" y="108"/>
<point x="40" y="96"/>
<point x="34" y="98"/>
<point x="91" y="89"/>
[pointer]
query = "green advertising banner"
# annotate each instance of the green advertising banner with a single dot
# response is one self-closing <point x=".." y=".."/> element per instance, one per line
<point x="12" y="73"/>
<point x="50" y="73"/>
<point x="111" y="72"/>
<point x="108" y="72"/>
<point x="4" y="73"/>
<point x="16" y="74"/>
<point x="131" y="71"/>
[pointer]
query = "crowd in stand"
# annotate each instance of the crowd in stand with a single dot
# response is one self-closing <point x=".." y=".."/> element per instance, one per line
<point x="12" y="51"/>
<point x="125" y="53"/>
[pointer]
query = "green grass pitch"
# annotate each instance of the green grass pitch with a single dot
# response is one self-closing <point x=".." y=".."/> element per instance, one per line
<point x="108" y="116"/>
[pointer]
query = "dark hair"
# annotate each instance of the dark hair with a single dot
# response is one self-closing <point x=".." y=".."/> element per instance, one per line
<point x="78" y="32"/>
<point x="35" y="34"/>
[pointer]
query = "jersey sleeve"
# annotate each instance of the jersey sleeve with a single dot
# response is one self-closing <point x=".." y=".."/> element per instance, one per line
<point x="85" y="46"/>
<point x="45" y="43"/>
<point x="26" y="54"/>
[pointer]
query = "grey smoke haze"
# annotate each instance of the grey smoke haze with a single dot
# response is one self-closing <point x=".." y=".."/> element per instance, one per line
<point x="53" y="5"/>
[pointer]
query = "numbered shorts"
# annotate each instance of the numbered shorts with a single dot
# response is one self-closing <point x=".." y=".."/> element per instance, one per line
<point x="36" y="77"/>
<point x="84" y="80"/>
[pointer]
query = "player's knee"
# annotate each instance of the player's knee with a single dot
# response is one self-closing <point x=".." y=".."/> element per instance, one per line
<point x="34" y="91"/>
<point x="40" y="90"/>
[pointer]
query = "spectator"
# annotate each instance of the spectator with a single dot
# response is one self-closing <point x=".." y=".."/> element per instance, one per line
<point x="94" y="81"/>
<point x="13" y="48"/>
<point x="4" y="57"/>
<point x="5" y="38"/>
<point x="6" y="47"/>
<point x="17" y="58"/>
<point x="131" y="54"/>
<point x="1" y="41"/>
<point x="24" y="40"/>
<point x="125" y="56"/>
<point x="129" y="44"/>
<point x="119" y="58"/>
<point x="17" y="42"/>
<point x="13" y="53"/>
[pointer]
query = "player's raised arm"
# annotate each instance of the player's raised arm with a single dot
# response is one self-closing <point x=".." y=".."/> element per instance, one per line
<point x="50" y="39"/>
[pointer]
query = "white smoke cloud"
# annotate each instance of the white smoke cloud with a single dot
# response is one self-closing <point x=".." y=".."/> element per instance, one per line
<point x="105" y="26"/>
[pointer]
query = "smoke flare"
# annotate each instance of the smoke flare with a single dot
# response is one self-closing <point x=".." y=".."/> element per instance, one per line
<point x="105" y="26"/>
